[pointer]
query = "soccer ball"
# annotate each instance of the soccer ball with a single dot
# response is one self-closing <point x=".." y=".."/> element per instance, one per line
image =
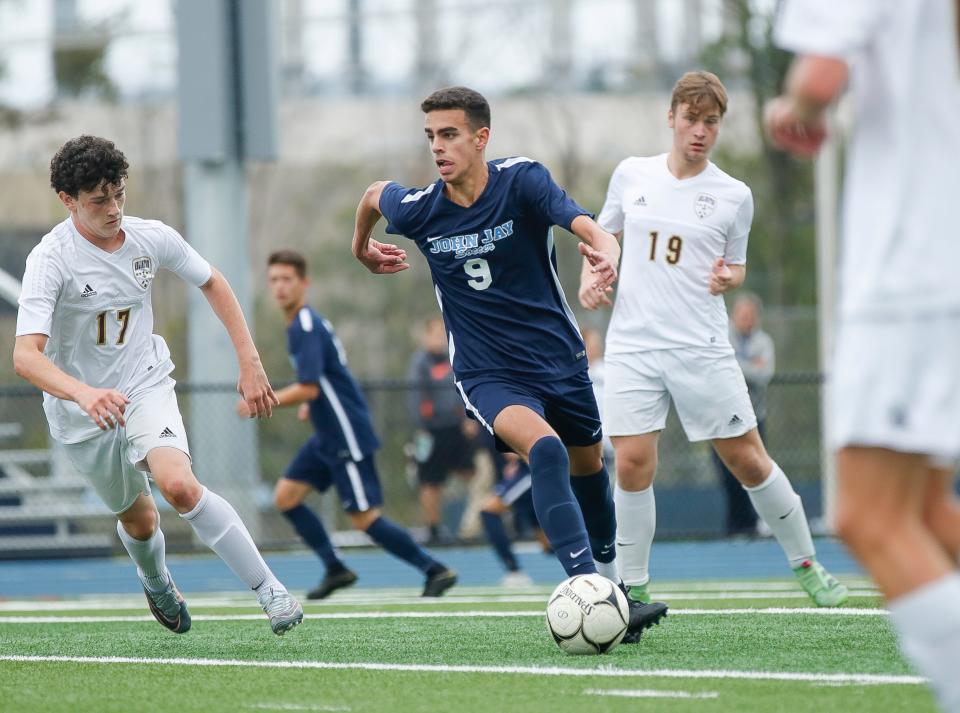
<point x="587" y="614"/>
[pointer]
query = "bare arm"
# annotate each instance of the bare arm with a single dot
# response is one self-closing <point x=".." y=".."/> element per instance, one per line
<point x="379" y="258"/>
<point x="104" y="406"/>
<point x="726" y="277"/>
<point x="292" y="395"/>
<point x="253" y="384"/>
<point x="601" y="255"/>
<point x="795" y="120"/>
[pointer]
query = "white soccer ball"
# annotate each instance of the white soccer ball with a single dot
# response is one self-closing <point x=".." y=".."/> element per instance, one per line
<point x="587" y="614"/>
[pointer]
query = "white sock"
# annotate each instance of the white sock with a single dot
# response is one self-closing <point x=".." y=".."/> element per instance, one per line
<point x="636" y="523"/>
<point x="220" y="528"/>
<point x="928" y="622"/>
<point x="782" y="509"/>
<point x="149" y="556"/>
<point x="608" y="570"/>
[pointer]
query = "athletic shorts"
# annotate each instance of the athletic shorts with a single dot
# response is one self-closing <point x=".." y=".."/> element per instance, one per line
<point x="896" y="385"/>
<point x="568" y="405"/>
<point x="516" y="493"/>
<point x="357" y="482"/>
<point x="707" y="388"/>
<point x="114" y="461"/>
<point x="448" y="449"/>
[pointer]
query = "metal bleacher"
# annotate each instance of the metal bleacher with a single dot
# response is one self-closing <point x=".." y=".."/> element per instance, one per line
<point x="44" y="505"/>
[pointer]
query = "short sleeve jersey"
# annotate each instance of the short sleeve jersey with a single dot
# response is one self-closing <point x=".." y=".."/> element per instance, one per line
<point x="95" y="307"/>
<point x="494" y="270"/>
<point x="673" y="232"/>
<point x="900" y="244"/>
<point x="339" y="414"/>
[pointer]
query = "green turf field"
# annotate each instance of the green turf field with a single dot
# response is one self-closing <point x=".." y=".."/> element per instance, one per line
<point x="745" y="646"/>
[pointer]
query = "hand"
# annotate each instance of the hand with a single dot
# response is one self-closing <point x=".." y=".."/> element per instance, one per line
<point x="303" y="411"/>
<point x="243" y="411"/>
<point x="255" y="390"/>
<point x="104" y="406"/>
<point x="721" y="279"/>
<point x="591" y="299"/>
<point x="384" y="258"/>
<point x="604" y="267"/>
<point x="786" y="128"/>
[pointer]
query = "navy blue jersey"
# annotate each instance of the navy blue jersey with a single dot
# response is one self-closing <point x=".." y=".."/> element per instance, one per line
<point x="339" y="414"/>
<point x="494" y="269"/>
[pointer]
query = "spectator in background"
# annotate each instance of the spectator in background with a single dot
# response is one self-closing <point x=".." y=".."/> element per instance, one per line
<point x="443" y="442"/>
<point x="754" y="351"/>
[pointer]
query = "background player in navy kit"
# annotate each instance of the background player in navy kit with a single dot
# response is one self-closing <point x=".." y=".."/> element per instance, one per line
<point x="341" y="451"/>
<point x="518" y="358"/>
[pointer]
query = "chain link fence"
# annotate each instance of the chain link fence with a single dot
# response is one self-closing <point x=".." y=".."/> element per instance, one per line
<point x="46" y="509"/>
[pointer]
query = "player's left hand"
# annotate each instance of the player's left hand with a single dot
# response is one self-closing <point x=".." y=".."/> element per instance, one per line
<point x="254" y="387"/>
<point x="384" y="258"/>
<point x="801" y="136"/>
<point x="602" y="265"/>
<point x="243" y="411"/>
<point x="721" y="279"/>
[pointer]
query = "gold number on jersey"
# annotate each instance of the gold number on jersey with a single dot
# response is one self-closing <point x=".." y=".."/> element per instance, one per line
<point x="123" y="317"/>
<point x="674" y="247"/>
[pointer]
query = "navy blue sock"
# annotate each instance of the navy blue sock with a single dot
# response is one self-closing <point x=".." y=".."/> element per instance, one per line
<point x="497" y="534"/>
<point x="397" y="541"/>
<point x="596" y="502"/>
<point x="556" y="508"/>
<point x="311" y="529"/>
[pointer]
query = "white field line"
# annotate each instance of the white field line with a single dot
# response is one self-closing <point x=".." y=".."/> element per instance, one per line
<point x="493" y="614"/>
<point x="137" y="602"/>
<point x="293" y="707"/>
<point x="648" y="693"/>
<point x="602" y="671"/>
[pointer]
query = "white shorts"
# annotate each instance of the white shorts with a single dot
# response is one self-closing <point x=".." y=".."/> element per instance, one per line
<point x="707" y="388"/>
<point x="896" y="385"/>
<point x="114" y="461"/>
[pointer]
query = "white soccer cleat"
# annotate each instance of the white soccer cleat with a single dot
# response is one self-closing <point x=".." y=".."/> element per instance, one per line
<point x="283" y="610"/>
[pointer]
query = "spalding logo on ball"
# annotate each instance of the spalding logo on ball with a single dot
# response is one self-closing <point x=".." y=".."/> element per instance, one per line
<point x="587" y="614"/>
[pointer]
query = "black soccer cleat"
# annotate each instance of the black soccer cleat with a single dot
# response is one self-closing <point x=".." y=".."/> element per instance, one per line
<point x="439" y="582"/>
<point x="642" y="616"/>
<point x="332" y="582"/>
<point x="169" y="608"/>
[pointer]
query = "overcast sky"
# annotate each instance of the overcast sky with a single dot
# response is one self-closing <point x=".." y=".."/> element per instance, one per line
<point x="493" y="45"/>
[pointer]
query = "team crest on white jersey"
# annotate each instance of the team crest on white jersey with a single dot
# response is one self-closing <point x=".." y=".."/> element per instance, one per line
<point x="704" y="205"/>
<point x="143" y="270"/>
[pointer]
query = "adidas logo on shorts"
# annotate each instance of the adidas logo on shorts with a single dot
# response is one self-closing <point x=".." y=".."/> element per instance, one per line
<point x="735" y="420"/>
<point x="167" y="433"/>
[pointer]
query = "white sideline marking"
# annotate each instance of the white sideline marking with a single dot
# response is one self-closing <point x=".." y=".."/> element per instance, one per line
<point x="648" y="693"/>
<point x="294" y="707"/>
<point x="603" y="671"/>
<point x="494" y="614"/>
<point x="137" y="602"/>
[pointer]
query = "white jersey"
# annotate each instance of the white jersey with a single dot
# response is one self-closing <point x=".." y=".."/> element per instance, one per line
<point x="901" y="241"/>
<point x="673" y="232"/>
<point x="95" y="308"/>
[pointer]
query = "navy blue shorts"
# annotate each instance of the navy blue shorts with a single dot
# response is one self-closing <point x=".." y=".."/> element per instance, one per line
<point x="515" y="492"/>
<point x="357" y="482"/>
<point x="568" y="405"/>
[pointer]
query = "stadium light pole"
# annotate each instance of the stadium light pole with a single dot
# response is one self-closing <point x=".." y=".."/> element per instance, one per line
<point x="826" y="196"/>
<point x="227" y="91"/>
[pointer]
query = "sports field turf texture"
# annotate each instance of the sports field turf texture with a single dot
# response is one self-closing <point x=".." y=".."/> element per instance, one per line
<point x="744" y="646"/>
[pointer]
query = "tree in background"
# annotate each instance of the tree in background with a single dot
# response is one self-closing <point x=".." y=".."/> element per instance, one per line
<point x="782" y="259"/>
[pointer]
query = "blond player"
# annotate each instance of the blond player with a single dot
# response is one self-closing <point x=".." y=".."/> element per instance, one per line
<point x="85" y="337"/>
<point x="895" y="404"/>
<point x="684" y="224"/>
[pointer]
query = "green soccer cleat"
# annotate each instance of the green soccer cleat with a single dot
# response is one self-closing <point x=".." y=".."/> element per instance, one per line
<point x="638" y="592"/>
<point x="823" y="588"/>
